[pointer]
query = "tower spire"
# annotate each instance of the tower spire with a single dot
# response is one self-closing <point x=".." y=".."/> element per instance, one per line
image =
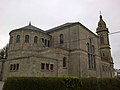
<point x="100" y="12"/>
<point x="104" y="46"/>
<point x="101" y="24"/>
<point x="100" y="15"/>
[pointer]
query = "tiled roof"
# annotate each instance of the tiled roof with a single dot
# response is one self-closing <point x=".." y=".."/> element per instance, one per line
<point x="61" y="26"/>
<point x="67" y="25"/>
<point x="31" y="27"/>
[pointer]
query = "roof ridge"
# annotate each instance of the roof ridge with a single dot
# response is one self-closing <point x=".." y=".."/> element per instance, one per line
<point x="31" y="27"/>
<point x="62" y="26"/>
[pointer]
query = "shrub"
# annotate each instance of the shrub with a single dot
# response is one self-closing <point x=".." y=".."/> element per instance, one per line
<point x="25" y="83"/>
<point x="61" y="83"/>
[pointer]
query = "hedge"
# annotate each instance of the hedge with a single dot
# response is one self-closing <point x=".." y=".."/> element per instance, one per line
<point x="63" y="83"/>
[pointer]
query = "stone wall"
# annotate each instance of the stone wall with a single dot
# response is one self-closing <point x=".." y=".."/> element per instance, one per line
<point x="22" y="48"/>
<point x="31" y="66"/>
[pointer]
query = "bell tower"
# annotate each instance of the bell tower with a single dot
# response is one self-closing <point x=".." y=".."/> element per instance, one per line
<point x="104" y="46"/>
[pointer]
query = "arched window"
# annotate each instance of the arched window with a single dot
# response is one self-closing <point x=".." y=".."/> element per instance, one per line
<point x="14" y="66"/>
<point x="27" y="38"/>
<point x="45" y="42"/>
<point x="61" y="39"/>
<point x="51" y="66"/>
<point x="48" y="43"/>
<point x="64" y="61"/>
<point x="91" y="55"/>
<point x="35" y="39"/>
<point x="17" y="66"/>
<point x="103" y="55"/>
<point x="18" y="39"/>
<point x="11" y="66"/>
<point x="93" y="49"/>
<point x="11" y="39"/>
<point x="88" y="47"/>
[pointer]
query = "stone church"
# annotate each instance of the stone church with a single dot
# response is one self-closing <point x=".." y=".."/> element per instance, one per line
<point x="70" y="49"/>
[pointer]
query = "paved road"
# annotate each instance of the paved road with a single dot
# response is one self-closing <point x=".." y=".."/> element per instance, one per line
<point x="1" y="85"/>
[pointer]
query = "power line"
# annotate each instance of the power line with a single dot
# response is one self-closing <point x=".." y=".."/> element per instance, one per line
<point x="90" y="37"/>
<point x="114" y="32"/>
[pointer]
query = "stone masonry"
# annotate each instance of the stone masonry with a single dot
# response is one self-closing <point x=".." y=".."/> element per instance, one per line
<point x="67" y="50"/>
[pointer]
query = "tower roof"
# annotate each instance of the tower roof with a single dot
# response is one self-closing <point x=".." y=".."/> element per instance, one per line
<point x="31" y="27"/>
<point x="101" y="25"/>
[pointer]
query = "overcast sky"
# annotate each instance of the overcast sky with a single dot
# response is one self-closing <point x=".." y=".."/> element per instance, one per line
<point x="46" y="14"/>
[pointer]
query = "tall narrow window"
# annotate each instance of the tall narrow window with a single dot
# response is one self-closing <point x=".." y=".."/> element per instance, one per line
<point x="101" y="39"/>
<point x="27" y="38"/>
<point x="11" y="39"/>
<point x="42" y="65"/>
<point x="14" y="66"/>
<point x="91" y="55"/>
<point x="93" y="49"/>
<point x="61" y="39"/>
<point x="11" y="67"/>
<point x="17" y="67"/>
<point x="51" y="66"/>
<point x="103" y="54"/>
<point x="88" y="47"/>
<point x="47" y="66"/>
<point x="64" y="61"/>
<point x="18" y="39"/>
<point x="48" y="43"/>
<point x="45" y="42"/>
<point x="35" y="39"/>
<point x="89" y="60"/>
